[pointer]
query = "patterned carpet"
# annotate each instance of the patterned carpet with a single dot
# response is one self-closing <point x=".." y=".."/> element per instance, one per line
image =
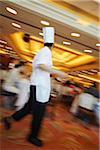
<point x="58" y="133"/>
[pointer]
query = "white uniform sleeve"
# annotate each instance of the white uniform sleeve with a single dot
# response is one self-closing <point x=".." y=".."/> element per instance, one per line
<point x="44" y="57"/>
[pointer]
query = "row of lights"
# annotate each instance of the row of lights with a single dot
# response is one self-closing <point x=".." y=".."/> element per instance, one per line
<point x="3" y="44"/>
<point x="47" y="24"/>
<point x="7" y="49"/>
<point x="91" y="72"/>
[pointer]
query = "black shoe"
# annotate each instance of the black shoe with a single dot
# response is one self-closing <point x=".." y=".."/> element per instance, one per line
<point x="35" y="141"/>
<point x="7" y="123"/>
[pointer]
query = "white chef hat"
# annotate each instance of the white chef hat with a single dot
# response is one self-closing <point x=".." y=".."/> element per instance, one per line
<point x="48" y="33"/>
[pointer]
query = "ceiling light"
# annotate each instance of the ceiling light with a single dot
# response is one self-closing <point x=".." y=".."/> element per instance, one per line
<point x="11" y="10"/>
<point x="66" y="43"/>
<point x="75" y="34"/>
<point x="88" y="51"/>
<point x="93" y="70"/>
<point x="98" y="44"/>
<point x="91" y="73"/>
<point x="16" y="25"/>
<point x="85" y="71"/>
<point x="45" y="23"/>
<point x="1" y="46"/>
<point x="9" y="48"/>
<point x="40" y="33"/>
<point x="3" y="42"/>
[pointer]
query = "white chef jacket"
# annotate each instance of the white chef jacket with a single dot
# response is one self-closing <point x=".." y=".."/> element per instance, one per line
<point x="41" y="78"/>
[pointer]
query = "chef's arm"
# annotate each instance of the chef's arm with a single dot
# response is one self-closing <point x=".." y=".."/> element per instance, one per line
<point x="53" y="71"/>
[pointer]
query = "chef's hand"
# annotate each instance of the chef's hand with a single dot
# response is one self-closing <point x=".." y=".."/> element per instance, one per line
<point x="62" y="74"/>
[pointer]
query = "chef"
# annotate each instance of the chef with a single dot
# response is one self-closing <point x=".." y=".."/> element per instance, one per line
<point x="39" y="89"/>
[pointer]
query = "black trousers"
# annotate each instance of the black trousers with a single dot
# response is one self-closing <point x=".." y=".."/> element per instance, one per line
<point x="36" y="108"/>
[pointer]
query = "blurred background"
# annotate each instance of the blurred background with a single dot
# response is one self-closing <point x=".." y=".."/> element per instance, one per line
<point x="73" y="111"/>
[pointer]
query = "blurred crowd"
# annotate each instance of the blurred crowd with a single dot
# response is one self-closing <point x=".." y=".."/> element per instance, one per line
<point x="15" y="84"/>
<point x="82" y="102"/>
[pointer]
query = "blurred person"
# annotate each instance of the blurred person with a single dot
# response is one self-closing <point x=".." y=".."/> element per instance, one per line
<point x="97" y="112"/>
<point x="11" y="83"/>
<point x="13" y="62"/>
<point x="86" y="107"/>
<point x="68" y="93"/>
<point x="75" y="103"/>
<point x="83" y="107"/>
<point x="55" y="97"/>
<point x="24" y="89"/>
<point x="39" y="89"/>
<point x="93" y="90"/>
<point x="10" y="86"/>
<point x="96" y="92"/>
<point x="4" y="72"/>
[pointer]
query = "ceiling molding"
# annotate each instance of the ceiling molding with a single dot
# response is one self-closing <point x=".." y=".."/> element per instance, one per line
<point x="57" y="14"/>
<point x="94" y="65"/>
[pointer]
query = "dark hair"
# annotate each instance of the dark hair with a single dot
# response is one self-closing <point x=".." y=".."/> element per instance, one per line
<point x="48" y="44"/>
<point x="26" y="37"/>
<point x="67" y="83"/>
<point x="21" y="63"/>
<point x="94" y="84"/>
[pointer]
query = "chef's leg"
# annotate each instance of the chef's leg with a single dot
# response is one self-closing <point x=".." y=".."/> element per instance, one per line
<point x="38" y="115"/>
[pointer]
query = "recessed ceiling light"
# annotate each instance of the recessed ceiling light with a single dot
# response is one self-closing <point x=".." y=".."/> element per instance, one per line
<point x="66" y="43"/>
<point x="45" y="23"/>
<point x="98" y="44"/>
<point x="16" y="25"/>
<point x="3" y="42"/>
<point x="40" y="33"/>
<point x="88" y="51"/>
<point x="11" y="10"/>
<point x="75" y="34"/>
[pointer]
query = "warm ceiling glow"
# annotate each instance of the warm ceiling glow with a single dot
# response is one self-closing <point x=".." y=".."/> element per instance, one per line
<point x="83" y="22"/>
<point x="66" y="43"/>
<point x="11" y="10"/>
<point x="40" y="33"/>
<point x="2" y="52"/>
<point x="16" y="25"/>
<point x="88" y="51"/>
<point x="45" y="23"/>
<point x="98" y="44"/>
<point x="87" y="77"/>
<point x="75" y="34"/>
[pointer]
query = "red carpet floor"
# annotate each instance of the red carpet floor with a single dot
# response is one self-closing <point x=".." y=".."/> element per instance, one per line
<point x="58" y="134"/>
